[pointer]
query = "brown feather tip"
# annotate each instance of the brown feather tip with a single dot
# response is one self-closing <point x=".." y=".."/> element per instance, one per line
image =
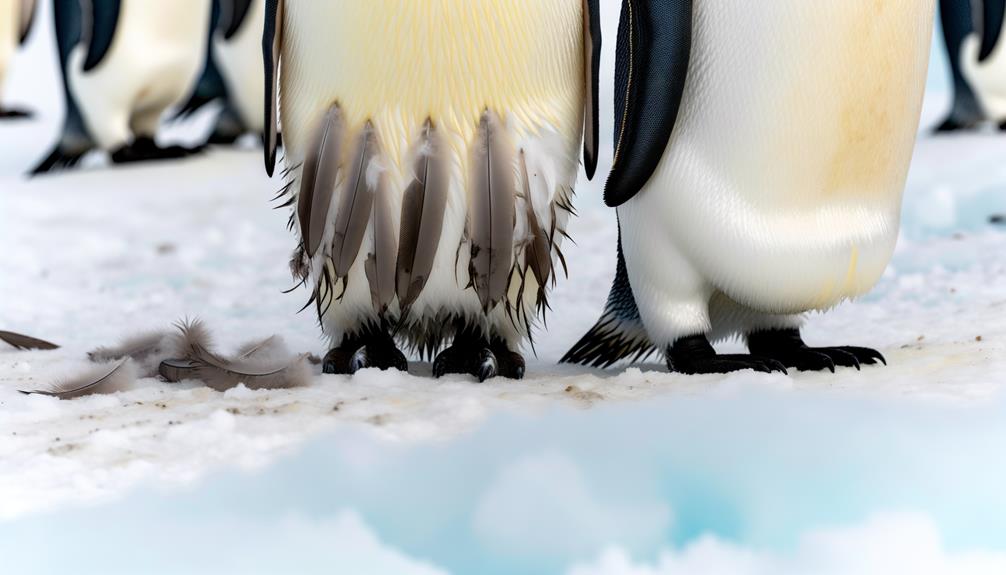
<point x="24" y="342"/>
<point x="100" y="380"/>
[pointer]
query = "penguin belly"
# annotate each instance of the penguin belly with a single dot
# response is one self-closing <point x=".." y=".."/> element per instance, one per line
<point x="781" y="185"/>
<point x="9" y="25"/>
<point x="240" y="62"/>
<point x="987" y="78"/>
<point x="156" y="55"/>
<point x="405" y="67"/>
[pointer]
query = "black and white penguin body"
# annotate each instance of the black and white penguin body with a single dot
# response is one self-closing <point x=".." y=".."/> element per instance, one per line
<point x="16" y="19"/>
<point x="433" y="147"/>
<point x="233" y="72"/>
<point x="741" y="209"/>
<point x="124" y="63"/>
<point x="983" y="62"/>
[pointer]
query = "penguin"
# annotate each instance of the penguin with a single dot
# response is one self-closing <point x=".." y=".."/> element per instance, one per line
<point x="983" y="62"/>
<point x="432" y="148"/>
<point x="124" y="62"/>
<point x="233" y="71"/>
<point x="958" y="22"/>
<point x="16" y="19"/>
<point x="756" y="176"/>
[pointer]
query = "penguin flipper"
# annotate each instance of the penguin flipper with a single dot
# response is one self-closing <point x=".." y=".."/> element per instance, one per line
<point x="592" y="65"/>
<point x="233" y="14"/>
<point x="992" y="24"/>
<point x="620" y="333"/>
<point x="27" y="20"/>
<point x="272" y="47"/>
<point x="104" y="21"/>
<point x="211" y="85"/>
<point x="654" y="46"/>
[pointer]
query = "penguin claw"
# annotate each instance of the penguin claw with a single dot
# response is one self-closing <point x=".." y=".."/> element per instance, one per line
<point x="488" y="366"/>
<point x="378" y="352"/>
<point x="694" y="355"/>
<point x="480" y="361"/>
<point x="787" y="346"/>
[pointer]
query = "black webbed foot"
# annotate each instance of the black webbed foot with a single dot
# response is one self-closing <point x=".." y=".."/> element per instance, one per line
<point x="145" y="149"/>
<point x="473" y="354"/>
<point x="15" y="114"/>
<point x="953" y="125"/>
<point x="787" y="347"/>
<point x="372" y="350"/>
<point x="695" y="355"/>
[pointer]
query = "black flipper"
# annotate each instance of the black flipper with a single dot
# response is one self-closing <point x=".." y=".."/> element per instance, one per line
<point x="211" y="85"/>
<point x="233" y="14"/>
<point x="959" y="23"/>
<point x="75" y="141"/>
<point x="272" y="47"/>
<point x="654" y="46"/>
<point x="620" y="333"/>
<point x="104" y="21"/>
<point x="592" y="71"/>
<point x="27" y="22"/>
<point x="992" y="25"/>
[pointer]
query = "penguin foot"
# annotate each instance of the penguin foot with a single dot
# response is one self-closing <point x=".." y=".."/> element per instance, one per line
<point x="374" y="351"/>
<point x="146" y="149"/>
<point x="480" y="359"/>
<point x="223" y="138"/>
<point x="787" y="347"/>
<point x="695" y="356"/>
<point x="951" y="125"/>
<point x="14" y="114"/>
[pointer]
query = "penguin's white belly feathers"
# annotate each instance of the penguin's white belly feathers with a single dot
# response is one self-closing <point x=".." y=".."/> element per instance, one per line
<point x="9" y="25"/>
<point x="781" y="186"/>
<point x="240" y="61"/>
<point x="153" y="61"/>
<point x="398" y="64"/>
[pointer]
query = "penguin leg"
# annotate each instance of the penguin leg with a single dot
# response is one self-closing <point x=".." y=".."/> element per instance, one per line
<point x="788" y="347"/>
<point x="473" y="353"/>
<point x="374" y="348"/>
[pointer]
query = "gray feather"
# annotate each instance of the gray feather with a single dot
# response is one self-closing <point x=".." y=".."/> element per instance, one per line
<point x="24" y="342"/>
<point x="106" y="379"/>
<point x="355" y="204"/>
<point x="381" y="264"/>
<point x="147" y="350"/>
<point x="492" y="212"/>
<point x="537" y="254"/>
<point x="423" y="208"/>
<point x="317" y="180"/>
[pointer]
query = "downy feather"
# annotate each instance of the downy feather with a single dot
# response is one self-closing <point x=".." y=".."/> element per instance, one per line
<point x="104" y="379"/>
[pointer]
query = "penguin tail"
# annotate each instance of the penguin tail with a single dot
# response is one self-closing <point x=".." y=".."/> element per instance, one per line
<point x="619" y="334"/>
<point x="61" y="158"/>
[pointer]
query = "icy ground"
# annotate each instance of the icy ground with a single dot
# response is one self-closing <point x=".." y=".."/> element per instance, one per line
<point x="93" y="256"/>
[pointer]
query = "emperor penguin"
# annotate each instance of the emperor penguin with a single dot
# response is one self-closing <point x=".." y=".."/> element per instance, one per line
<point x="233" y="72"/>
<point x="757" y="175"/>
<point x="432" y="147"/>
<point x="983" y="62"/>
<point x="124" y="62"/>
<point x="16" y="18"/>
<point x="958" y="22"/>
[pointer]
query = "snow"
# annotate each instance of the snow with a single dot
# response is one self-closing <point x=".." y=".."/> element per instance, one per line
<point x="99" y="254"/>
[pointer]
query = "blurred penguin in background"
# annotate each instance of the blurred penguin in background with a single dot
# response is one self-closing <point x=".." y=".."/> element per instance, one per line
<point x="233" y="73"/>
<point x="973" y="32"/>
<point x="124" y="62"/>
<point x="16" y="18"/>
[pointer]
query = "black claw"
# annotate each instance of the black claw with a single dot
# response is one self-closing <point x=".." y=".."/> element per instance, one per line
<point x="371" y="350"/>
<point x="787" y="346"/>
<point x="488" y="366"/>
<point x="865" y="355"/>
<point x="359" y="361"/>
<point x="472" y="354"/>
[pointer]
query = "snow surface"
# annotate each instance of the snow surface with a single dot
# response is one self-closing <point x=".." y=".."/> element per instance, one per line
<point x="96" y="255"/>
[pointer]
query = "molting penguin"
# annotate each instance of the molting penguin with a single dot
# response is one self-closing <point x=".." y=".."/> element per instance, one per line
<point x="233" y="73"/>
<point x="432" y="147"/>
<point x="16" y="18"/>
<point x="958" y="22"/>
<point x="740" y="209"/>
<point x="124" y="62"/>
<point x="983" y="62"/>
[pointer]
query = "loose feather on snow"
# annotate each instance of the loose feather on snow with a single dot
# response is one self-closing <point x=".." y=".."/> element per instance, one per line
<point x="24" y="342"/>
<point x="423" y="208"/>
<point x="105" y="379"/>
<point x="491" y="220"/>
<point x="147" y="350"/>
